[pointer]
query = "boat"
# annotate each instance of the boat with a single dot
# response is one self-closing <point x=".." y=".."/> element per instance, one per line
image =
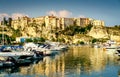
<point x="14" y="57"/>
<point x="50" y="48"/>
<point x="111" y="44"/>
<point x="6" y="62"/>
<point x="118" y="51"/>
<point x="1" y="64"/>
<point x="42" y="49"/>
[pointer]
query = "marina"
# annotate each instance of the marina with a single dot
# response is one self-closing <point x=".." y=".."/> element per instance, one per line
<point x="77" y="61"/>
<point x="54" y="38"/>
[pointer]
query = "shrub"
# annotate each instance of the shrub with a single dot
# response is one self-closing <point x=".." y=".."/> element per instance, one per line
<point x="82" y="43"/>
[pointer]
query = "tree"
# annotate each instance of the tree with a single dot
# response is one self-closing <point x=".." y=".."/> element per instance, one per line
<point x="16" y="33"/>
<point x="82" y="43"/>
<point x="4" y="22"/>
<point x="89" y="26"/>
<point x="29" y="40"/>
<point x="9" y="21"/>
<point x="7" y="39"/>
<point x="94" y="40"/>
<point x="41" y="39"/>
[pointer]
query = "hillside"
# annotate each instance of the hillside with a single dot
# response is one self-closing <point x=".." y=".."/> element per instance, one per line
<point x="72" y="34"/>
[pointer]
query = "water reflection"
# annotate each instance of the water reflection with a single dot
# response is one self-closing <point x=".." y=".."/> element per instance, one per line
<point x="77" y="62"/>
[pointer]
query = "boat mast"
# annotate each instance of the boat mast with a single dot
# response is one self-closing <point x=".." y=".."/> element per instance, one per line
<point x="2" y="34"/>
<point x="3" y="31"/>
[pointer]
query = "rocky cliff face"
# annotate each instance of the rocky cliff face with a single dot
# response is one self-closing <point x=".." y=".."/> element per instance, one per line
<point x="98" y="32"/>
<point x="95" y="32"/>
<point x="114" y="33"/>
<point x="105" y="32"/>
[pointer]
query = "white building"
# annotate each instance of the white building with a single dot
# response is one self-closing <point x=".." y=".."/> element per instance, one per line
<point x="98" y="23"/>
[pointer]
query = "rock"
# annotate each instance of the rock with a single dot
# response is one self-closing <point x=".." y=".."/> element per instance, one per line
<point x="98" y="32"/>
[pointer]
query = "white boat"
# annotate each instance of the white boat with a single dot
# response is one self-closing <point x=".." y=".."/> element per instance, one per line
<point x="43" y="48"/>
<point x="57" y="46"/>
<point x="1" y="64"/>
<point x="118" y="51"/>
<point x="47" y="49"/>
<point x="110" y="45"/>
<point x="12" y="57"/>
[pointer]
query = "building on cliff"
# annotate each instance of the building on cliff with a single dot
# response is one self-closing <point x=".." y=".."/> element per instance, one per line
<point x="53" y="22"/>
<point x="97" y="23"/>
<point x="20" y="22"/>
<point x="86" y="21"/>
<point x="50" y="22"/>
<point x="66" y="22"/>
<point x="38" y="20"/>
<point x="82" y="21"/>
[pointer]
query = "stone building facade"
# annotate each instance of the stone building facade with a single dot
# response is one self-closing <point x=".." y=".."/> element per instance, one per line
<point x="97" y="23"/>
<point x="66" y="22"/>
<point x="85" y="21"/>
<point x="20" y="22"/>
<point x="53" y="22"/>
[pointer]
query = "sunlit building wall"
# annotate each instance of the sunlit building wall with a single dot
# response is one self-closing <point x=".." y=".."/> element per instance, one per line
<point x="84" y="21"/>
<point x="39" y="20"/>
<point x="66" y="22"/>
<point x="50" y="22"/>
<point x="20" y="22"/>
<point x="98" y="23"/>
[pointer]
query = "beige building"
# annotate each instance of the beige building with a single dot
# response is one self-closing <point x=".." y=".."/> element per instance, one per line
<point x="77" y="21"/>
<point x="20" y="22"/>
<point x="38" y="20"/>
<point x="98" y="23"/>
<point x="82" y="21"/>
<point x="50" y="22"/>
<point x="65" y="22"/>
<point x="53" y="22"/>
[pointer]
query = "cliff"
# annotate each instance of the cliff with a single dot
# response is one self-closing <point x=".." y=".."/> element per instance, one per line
<point x="105" y="32"/>
<point x="67" y="36"/>
<point x="98" y="32"/>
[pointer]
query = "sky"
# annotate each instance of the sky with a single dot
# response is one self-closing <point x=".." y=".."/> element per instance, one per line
<point x="106" y="10"/>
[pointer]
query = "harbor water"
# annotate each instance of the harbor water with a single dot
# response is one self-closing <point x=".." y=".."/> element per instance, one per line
<point x="82" y="61"/>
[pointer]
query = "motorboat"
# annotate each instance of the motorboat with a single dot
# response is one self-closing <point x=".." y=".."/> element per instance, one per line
<point x="42" y="49"/>
<point x="45" y="49"/>
<point x="13" y="57"/>
<point x="6" y="62"/>
<point x="111" y="44"/>
<point x="1" y="64"/>
<point x="118" y="51"/>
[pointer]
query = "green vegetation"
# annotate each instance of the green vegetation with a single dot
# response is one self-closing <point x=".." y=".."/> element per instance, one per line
<point x="116" y="27"/>
<point x="16" y="33"/>
<point x="94" y="40"/>
<point x="28" y="40"/>
<point x="72" y="30"/>
<point x="7" y="39"/>
<point x="82" y="43"/>
<point x="35" y="40"/>
<point x="61" y="40"/>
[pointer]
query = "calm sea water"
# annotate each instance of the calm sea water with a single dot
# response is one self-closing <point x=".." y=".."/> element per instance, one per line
<point x="76" y="62"/>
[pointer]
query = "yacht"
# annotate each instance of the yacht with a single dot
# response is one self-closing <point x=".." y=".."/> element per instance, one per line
<point x="118" y="51"/>
<point x="13" y="57"/>
<point x="111" y="44"/>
